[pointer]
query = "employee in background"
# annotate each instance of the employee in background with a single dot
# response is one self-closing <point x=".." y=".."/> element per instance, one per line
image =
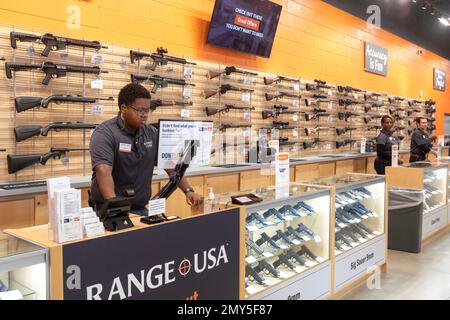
<point x="421" y="144"/>
<point x="124" y="151"/>
<point x="385" y="141"/>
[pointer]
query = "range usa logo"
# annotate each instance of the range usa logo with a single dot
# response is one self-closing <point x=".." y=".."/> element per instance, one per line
<point x="141" y="281"/>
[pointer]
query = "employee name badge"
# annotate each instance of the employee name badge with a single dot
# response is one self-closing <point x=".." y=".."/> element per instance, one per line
<point x="157" y="206"/>
<point x="363" y="145"/>
<point x="125" y="147"/>
<point x="395" y="156"/>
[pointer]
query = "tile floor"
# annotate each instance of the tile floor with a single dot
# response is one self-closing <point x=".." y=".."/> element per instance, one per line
<point x="413" y="276"/>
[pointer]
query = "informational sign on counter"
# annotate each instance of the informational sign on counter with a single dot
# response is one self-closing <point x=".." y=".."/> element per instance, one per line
<point x="363" y="145"/>
<point x="355" y="262"/>
<point x="394" y="159"/>
<point x="173" y="135"/>
<point x="282" y="172"/>
<point x="192" y="259"/>
<point x="376" y="59"/>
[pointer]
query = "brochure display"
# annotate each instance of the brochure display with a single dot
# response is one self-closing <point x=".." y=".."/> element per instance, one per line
<point x="23" y="270"/>
<point x="431" y="178"/>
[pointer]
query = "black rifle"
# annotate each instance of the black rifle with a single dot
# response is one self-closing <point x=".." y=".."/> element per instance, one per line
<point x="430" y="103"/>
<point x="19" y="162"/>
<point x="315" y="129"/>
<point x="212" y="111"/>
<point x="224" y="88"/>
<point x="159" y="58"/>
<point x="159" y="82"/>
<point x="25" y="103"/>
<point x="281" y="125"/>
<point x="347" y="102"/>
<point x="373" y="116"/>
<point x="52" y="43"/>
<point x="340" y="144"/>
<point x="376" y="127"/>
<point x="278" y="79"/>
<point x="312" y="116"/>
<point x="341" y="131"/>
<point x="270" y="97"/>
<point x="253" y="275"/>
<point x="318" y="110"/>
<point x="371" y="96"/>
<point x="228" y="70"/>
<point x="225" y="126"/>
<point x="414" y="102"/>
<point x="315" y="102"/>
<point x="369" y="106"/>
<point x="399" y="128"/>
<point x="395" y="99"/>
<point x="346" y="115"/>
<point x="310" y="144"/>
<point x="51" y="70"/>
<point x="167" y="103"/>
<point x="266" y="114"/>
<point x="348" y="89"/>
<point x="27" y="131"/>
<point x="395" y="111"/>
<point x="410" y="112"/>
<point x="267" y="268"/>
<point x="430" y="110"/>
<point x="322" y="84"/>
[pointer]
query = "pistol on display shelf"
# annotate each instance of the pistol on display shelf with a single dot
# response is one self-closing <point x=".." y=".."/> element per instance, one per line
<point x="288" y="209"/>
<point x="51" y="69"/>
<point x="341" y="131"/>
<point x="303" y="228"/>
<point x="278" y="79"/>
<point x="305" y="251"/>
<point x="52" y="43"/>
<point x="280" y="235"/>
<point x="19" y="162"/>
<point x="340" y="144"/>
<point x="283" y="260"/>
<point x="210" y="111"/>
<point x="255" y="217"/>
<point x="25" y="103"/>
<point x="27" y="131"/>
<point x="270" y="97"/>
<point x="266" y="239"/>
<point x="346" y="115"/>
<point x="159" y="82"/>
<point x="293" y="255"/>
<point x="226" y="126"/>
<point x="267" y="268"/>
<point x="253" y="246"/>
<point x="253" y="275"/>
<point x="159" y="58"/>
<point x="273" y="212"/>
<point x="224" y="88"/>
<point x="227" y="71"/>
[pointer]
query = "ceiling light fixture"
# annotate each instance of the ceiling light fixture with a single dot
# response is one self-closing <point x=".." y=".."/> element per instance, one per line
<point x="445" y="21"/>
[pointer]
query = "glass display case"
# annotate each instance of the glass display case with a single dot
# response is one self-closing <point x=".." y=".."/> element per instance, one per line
<point x="360" y="204"/>
<point x="434" y="184"/>
<point x="286" y="234"/>
<point x="446" y="160"/>
<point x="24" y="271"/>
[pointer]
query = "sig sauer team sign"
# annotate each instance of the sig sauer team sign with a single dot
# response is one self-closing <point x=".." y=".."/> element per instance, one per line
<point x="188" y="259"/>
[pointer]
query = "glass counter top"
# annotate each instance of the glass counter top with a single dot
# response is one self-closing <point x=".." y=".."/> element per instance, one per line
<point x="10" y="246"/>
<point x="426" y="165"/>
<point x="344" y="179"/>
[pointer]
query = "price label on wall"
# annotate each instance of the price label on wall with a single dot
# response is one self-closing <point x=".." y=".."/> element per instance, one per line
<point x="363" y="145"/>
<point x="394" y="158"/>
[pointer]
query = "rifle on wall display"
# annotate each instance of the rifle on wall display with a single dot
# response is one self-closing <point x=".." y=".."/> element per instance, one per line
<point x="27" y="131"/>
<point x="227" y="71"/>
<point x="159" y="58"/>
<point x="52" y="43"/>
<point x="223" y="89"/>
<point x="51" y="69"/>
<point x="25" y="103"/>
<point x="159" y="82"/>
<point x="210" y="111"/>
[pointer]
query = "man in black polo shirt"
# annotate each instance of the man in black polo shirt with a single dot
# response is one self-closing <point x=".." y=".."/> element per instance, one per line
<point x="124" y="151"/>
<point x="421" y="144"/>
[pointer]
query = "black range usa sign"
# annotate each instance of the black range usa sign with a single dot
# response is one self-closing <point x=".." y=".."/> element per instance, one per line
<point x="196" y="258"/>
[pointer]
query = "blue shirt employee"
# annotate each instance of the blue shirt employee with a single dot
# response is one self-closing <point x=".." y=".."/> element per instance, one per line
<point x="123" y="153"/>
<point x="385" y="141"/>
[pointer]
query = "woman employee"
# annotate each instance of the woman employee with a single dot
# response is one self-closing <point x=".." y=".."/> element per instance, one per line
<point x="385" y="141"/>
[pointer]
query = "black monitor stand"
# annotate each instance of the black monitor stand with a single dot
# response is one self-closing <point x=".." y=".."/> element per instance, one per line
<point x="190" y="150"/>
<point x="114" y="213"/>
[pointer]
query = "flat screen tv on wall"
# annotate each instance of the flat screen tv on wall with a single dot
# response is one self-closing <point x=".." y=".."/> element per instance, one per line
<point x="245" y="25"/>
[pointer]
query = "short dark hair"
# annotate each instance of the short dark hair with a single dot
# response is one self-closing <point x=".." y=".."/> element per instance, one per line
<point x="418" y="119"/>
<point x="131" y="92"/>
<point x="383" y="118"/>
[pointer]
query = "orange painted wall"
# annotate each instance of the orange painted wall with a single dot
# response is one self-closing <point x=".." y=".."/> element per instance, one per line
<point x="314" y="40"/>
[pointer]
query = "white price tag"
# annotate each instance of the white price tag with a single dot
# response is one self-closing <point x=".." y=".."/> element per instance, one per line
<point x="377" y="233"/>
<point x="267" y="254"/>
<point x="246" y="97"/>
<point x="342" y="225"/>
<point x="330" y="92"/>
<point x="330" y="105"/>
<point x="157" y="206"/>
<point x="310" y="264"/>
<point x="97" y="109"/>
<point x="317" y="238"/>
<point x="296" y="242"/>
<point x="97" y="59"/>
<point x="294" y="133"/>
<point x="297" y="86"/>
<point x="320" y="259"/>
<point x="250" y="259"/>
<point x="394" y="156"/>
<point x="94" y="230"/>
<point x="97" y="84"/>
<point x="305" y="237"/>
<point x="187" y="72"/>
<point x="295" y="117"/>
<point x="346" y="247"/>
<point x="186" y="92"/>
<point x="299" y="269"/>
<point x="184" y="113"/>
<point x="285" y="275"/>
<point x="283" y="246"/>
<point x="247" y="79"/>
<point x="252" y="228"/>
<point x="363" y="145"/>
<point x="289" y="218"/>
<point x="356" y="96"/>
<point x="296" y="102"/>
<point x="247" y="116"/>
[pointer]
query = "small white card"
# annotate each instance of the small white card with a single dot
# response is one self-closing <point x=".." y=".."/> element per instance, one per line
<point x="342" y="225"/>
<point x="294" y="133"/>
<point x="295" y="117"/>
<point x="283" y="246"/>
<point x="320" y="259"/>
<point x="184" y="113"/>
<point x="97" y="84"/>
<point x="296" y="102"/>
<point x="317" y="238"/>
<point x="186" y="92"/>
<point x="97" y="109"/>
<point x="250" y="259"/>
<point x="297" y="86"/>
<point x="157" y="206"/>
<point x="267" y="254"/>
<point x="299" y="269"/>
<point x="296" y="242"/>
<point x="11" y="295"/>
<point x="252" y="228"/>
<point x="330" y="92"/>
<point x="97" y="59"/>
<point x="94" y="230"/>
<point x="305" y="237"/>
<point x="187" y="72"/>
<point x="246" y="97"/>
<point x="310" y="264"/>
<point x="285" y="275"/>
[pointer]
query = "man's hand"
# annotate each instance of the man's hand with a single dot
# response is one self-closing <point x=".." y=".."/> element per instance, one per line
<point x="193" y="199"/>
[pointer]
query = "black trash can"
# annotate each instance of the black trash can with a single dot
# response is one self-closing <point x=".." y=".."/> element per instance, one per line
<point x="405" y="220"/>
